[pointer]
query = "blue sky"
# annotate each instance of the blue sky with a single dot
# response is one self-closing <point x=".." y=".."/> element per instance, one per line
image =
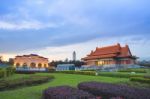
<point x="55" y="28"/>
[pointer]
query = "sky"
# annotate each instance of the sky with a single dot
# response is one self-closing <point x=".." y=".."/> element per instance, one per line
<point x="56" y="28"/>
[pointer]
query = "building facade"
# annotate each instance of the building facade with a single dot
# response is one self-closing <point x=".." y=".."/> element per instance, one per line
<point x="110" y="55"/>
<point x="32" y="61"/>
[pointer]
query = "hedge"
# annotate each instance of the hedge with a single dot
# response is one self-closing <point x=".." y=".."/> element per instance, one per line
<point x="28" y="81"/>
<point x="5" y="72"/>
<point x="147" y="76"/>
<point x="120" y="75"/>
<point x="66" y="92"/>
<point x="91" y="73"/>
<point x="134" y="70"/>
<point x="25" y="72"/>
<point x="2" y="73"/>
<point x="107" y="91"/>
<point x="140" y="79"/>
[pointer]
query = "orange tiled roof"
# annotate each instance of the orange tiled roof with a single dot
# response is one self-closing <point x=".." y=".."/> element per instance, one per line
<point x="31" y="56"/>
<point x="109" y="52"/>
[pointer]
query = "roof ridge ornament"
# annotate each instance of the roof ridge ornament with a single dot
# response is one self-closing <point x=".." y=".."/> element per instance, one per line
<point x="126" y="45"/>
<point x="118" y="44"/>
<point x="96" y="48"/>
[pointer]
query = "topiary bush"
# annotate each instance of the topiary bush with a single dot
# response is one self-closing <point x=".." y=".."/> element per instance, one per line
<point x="66" y="92"/>
<point x="108" y="91"/>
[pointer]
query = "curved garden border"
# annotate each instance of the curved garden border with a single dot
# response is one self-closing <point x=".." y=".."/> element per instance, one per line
<point x="23" y="82"/>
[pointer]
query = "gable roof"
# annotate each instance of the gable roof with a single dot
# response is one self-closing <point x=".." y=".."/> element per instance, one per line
<point x="114" y="51"/>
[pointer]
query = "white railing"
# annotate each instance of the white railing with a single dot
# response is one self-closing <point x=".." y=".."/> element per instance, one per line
<point x="31" y="69"/>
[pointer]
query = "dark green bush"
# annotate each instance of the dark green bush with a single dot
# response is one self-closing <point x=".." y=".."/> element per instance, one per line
<point x="140" y="79"/>
<point x="28" y="81"/>
<point x="2" y="73"/>
<point x="120" y="75"/>
<point x="51" y="70"/>
<point x="89" y="70"/>
<point x="92" y="73"/>
<point x="25" y="72"/>
<point x="134" y="70"/>
<point x="147" y="76"/>
<point x="10" y="71"/>
<point x="5" y="72"/>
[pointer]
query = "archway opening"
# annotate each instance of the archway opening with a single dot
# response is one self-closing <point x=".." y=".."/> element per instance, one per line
<point x="24" y="65"/>
<point x="17" y="65"/>
<point x="33" y="65"/>
<point x="39" y="65"/>
<point x="45" y="66"/>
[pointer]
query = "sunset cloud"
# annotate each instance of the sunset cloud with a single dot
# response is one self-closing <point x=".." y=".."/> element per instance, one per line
<point x="40" y="25"/>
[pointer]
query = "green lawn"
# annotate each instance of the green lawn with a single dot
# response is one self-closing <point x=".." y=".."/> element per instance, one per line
<point x="16" y="76"/>
<point x="35" y="92"/>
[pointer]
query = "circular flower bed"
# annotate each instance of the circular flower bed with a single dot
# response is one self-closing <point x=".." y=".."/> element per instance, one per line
<point x="65" y="92"/>
<point x="107" y="91"/>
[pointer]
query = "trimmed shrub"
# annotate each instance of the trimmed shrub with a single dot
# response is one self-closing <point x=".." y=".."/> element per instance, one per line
<point x="25" y="72"/>
<point x="120" y="75"/>
<point x="5" y="72"/>
<point x="140" y="79"/>
<point x="147" y="76"/>
<point x="2" y="73"/>
<point x="65" y="92"/>
<point x="134" y="70"/>
<point x="10" y="71"/>
<point x="92" y="73"/>
<point x="89" y="70"/>
<point x="51" y="70"/>
<point x="32" y="80"/>
<point x="108" y="91"/>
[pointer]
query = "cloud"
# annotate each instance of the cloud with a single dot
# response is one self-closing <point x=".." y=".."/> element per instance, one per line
<point x="26" y="25"/>
<point x="137" y="46"/>
<point x="39" y="24"/>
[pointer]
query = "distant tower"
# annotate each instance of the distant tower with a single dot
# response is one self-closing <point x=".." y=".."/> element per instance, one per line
<point x="74" y="56"/>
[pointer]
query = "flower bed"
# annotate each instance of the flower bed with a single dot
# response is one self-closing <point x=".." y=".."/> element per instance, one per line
<point x="111" y="90"/>
<point x="28" y="81"/>
<point x="65" y="92"/>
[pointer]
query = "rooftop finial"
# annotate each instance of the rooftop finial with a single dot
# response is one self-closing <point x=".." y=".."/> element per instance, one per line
<point x="126" y="45"/>
<point x="118" y="44"/>
<point x="96" y="48"/>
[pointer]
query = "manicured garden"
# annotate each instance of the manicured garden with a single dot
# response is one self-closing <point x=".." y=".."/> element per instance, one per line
<point x="35" y="92"/>
<point x="67" y="79"/>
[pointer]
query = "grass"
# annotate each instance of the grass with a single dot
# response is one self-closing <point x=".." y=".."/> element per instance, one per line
<point x="15" y="76"/>
<point x="35" y="92"/>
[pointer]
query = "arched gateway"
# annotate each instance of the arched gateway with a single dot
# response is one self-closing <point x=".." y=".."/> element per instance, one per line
<point x="31" y="61"/>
